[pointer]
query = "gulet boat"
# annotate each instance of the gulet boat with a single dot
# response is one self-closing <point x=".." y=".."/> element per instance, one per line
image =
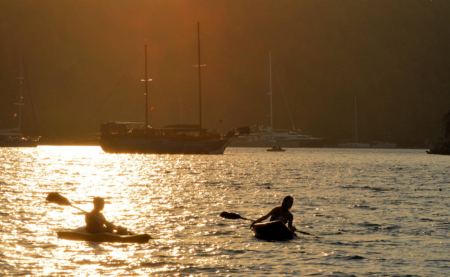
<point x="122" y="137"/>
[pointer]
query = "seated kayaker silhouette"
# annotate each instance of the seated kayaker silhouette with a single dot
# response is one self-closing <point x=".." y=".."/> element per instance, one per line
<point x="281" y="213"/>
<point x="96" y="222"/>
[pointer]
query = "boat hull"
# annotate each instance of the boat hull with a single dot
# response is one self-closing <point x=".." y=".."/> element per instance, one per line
<point x="273" y="230"/>
<point x="354" y="145"/>
<point x="379" y="144"/>
<point x="312" y="143"/>
<point x="18" y="143"/>
<point x="164" y="146"/>
<point x="303" y="143"/>
<point x="367" y="145"/>
<point x="80" y="234"/>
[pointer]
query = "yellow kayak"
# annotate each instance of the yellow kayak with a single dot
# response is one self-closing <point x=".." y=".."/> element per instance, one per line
<point x="80" y="234"/>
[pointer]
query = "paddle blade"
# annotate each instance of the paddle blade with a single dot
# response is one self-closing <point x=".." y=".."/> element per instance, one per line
<point x="230" y="215"/>
<point x="305" y="233"/>
<point x="54" y="197"/>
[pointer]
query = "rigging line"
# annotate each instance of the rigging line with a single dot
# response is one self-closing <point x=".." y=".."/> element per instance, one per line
<point x="68" y="123"/>
<point x="59" y="130"/>
<point x="285" y="101"/>
<point x="31" y="99"/>
<point x="7" y="89"/>
<point x="101" y="106"/>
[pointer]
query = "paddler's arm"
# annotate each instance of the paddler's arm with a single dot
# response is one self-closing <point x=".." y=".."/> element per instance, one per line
<point x="99" y="216"/>
<point x="273" y="211"/>
<point x="290" y="226"/>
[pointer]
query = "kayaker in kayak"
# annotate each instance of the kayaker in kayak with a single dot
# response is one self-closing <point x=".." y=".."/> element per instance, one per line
<point x="96" y="222"/>
<point x="281" y="213"/>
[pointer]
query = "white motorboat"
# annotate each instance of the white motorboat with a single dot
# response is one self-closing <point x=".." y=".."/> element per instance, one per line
<point x="266" y="137"/>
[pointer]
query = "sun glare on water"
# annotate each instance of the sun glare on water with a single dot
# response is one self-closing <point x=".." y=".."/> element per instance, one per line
<point x="360" y="203"/>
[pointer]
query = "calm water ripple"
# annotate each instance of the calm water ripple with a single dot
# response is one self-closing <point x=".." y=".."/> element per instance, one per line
<point x="378" y="212"/>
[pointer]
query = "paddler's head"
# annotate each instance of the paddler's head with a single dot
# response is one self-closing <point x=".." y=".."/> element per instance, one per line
<point x="99" y="203"/>
<point x="287" y="202"/>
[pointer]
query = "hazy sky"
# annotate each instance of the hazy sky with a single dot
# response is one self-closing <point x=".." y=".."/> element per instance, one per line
<point x="84" y="61"/>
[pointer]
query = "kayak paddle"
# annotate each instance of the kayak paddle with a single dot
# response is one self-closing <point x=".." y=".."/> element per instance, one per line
<point x="56" y="198"/>
<point x="228" y="215"/>
<point x="233" y="216"/>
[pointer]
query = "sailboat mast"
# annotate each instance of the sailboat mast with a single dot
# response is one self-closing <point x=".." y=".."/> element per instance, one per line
<point x="199" y="78"/>
<point x="146" y="97"/>
<point x="20" y="93"/>
<point x="181" y="112"/>
<point x="356" y="124"/>
<point x="271" y="112"/>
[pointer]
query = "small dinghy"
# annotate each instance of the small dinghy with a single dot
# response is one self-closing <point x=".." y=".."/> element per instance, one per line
<point x="80" y="234"/>
<point x="276" y="149"/>
<point x="273" y="230"/>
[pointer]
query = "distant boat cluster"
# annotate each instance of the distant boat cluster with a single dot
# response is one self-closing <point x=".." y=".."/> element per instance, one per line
<point x="122" y="137"/>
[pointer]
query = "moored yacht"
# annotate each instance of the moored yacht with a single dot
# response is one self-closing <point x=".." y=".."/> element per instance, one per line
<point x="354" y="144"/>
<point x="264" y="137"/>
<point x="14" y="137"/>
<point x="350" y="144"/>
<point x="382" y="144"/>
<point x="267" y="137"/>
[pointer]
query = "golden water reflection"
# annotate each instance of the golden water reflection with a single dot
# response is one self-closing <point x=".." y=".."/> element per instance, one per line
<point x="177" y="199"/>
<point x="145" y="193"/>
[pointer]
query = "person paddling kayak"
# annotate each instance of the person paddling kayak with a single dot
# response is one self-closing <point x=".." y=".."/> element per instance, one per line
<point x="96" y="222"/>
<point x="281" y="213"/>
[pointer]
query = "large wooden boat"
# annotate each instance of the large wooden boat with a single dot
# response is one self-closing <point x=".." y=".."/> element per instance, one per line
<point x="118" y="137"/>
<point x="122" y="137"/>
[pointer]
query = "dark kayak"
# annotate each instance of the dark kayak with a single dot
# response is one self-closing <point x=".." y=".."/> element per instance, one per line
<point x="273" y="230"/>
<point x="80" y="234"/>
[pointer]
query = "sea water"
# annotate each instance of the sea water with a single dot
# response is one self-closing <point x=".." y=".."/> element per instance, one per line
<point x="378" y="212"/>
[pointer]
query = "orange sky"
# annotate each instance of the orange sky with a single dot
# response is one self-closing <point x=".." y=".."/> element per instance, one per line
<point x="392" y="54"/>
